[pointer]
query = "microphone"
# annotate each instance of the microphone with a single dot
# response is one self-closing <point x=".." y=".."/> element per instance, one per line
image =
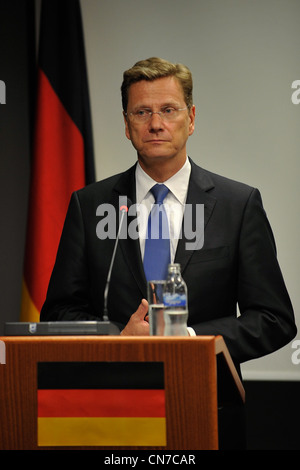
<point x="123" y="210"/>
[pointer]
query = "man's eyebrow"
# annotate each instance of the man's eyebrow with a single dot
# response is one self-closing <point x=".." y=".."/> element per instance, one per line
<point x="167" y="104"/>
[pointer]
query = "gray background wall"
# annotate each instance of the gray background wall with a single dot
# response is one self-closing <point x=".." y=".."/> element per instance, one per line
<point x="244" y="55"/>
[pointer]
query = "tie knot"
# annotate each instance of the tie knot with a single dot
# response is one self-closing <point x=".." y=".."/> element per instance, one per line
<point x="159" y="192"/>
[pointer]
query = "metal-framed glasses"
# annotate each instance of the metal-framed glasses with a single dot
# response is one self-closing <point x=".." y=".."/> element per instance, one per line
<point x="144" y="114"/>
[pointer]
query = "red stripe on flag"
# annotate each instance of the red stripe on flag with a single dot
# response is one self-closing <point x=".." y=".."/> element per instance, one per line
<point x="58" y="170"/>
<point x="101" y="403"/>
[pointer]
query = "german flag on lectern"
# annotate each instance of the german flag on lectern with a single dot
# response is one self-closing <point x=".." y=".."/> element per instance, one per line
<point x="101" y="404"/>
<point x="62" y="149"/>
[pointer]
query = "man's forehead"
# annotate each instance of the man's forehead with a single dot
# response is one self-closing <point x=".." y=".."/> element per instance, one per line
<point x="166" y="89"/>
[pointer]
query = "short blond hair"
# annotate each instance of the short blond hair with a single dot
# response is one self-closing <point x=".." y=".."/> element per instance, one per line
<point x="154" y="68"/>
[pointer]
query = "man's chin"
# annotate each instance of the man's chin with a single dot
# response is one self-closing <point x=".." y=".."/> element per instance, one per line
<point x="152" y="158"/>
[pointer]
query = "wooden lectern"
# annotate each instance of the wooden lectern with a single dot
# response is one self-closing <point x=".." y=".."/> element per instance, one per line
<point x="186" y="382"/>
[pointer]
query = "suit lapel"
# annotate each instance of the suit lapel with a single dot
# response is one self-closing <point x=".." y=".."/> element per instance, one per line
<point x="130" y="247"/>
<point x="199" y="185"/>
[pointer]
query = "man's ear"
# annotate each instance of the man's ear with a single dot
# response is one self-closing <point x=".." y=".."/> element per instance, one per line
<point x="192" y="119"/>
<point x="127" y="133"/>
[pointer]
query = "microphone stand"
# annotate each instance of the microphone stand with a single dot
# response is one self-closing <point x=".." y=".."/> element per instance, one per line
<point x="123" y="209"/>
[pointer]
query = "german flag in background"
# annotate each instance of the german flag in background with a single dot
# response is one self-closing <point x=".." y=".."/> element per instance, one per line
<point x="101" y="404"/>
<point x="63" y="146"/>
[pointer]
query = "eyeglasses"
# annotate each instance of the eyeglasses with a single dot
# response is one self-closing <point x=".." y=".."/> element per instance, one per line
<point x="144" y="114"/>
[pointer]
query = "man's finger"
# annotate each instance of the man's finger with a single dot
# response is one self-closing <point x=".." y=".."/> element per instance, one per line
<point x="142" y="309"/>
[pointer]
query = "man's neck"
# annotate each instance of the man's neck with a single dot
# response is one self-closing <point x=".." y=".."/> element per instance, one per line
<point x="161" y="169"/>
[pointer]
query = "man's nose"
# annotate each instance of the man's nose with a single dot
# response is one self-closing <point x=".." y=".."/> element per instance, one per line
<point x="155" y="122"/>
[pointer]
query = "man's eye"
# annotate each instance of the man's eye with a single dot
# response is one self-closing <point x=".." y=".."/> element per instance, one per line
<point x="141" y="112"/>
<point x="168" y="110"/>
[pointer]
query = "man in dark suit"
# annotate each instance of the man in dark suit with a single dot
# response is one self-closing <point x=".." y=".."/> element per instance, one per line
<point x="237" y="263"/>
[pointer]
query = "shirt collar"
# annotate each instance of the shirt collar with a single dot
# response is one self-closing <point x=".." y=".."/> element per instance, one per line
<point x="177" y="184"/>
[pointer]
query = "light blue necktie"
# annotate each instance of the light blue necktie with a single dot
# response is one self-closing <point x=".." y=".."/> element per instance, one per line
<point x="157" y="246"/>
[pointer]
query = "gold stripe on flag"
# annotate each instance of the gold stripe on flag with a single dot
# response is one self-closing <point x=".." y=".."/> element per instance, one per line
<point x="101" y="431"/>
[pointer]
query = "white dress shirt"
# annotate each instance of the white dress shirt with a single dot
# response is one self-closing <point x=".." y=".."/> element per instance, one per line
<point x="174" y="204"/>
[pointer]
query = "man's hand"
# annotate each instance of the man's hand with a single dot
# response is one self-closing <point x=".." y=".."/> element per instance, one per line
<point x="138" y="324"/>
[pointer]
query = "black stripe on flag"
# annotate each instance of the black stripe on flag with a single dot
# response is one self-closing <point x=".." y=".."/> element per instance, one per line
<point x="101" y="375"/>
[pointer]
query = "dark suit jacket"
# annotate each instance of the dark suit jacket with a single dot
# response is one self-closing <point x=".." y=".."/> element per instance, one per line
<point x="237" y="265"/>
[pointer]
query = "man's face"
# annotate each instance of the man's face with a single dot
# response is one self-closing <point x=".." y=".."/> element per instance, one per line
<point x="159" y="139"/>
